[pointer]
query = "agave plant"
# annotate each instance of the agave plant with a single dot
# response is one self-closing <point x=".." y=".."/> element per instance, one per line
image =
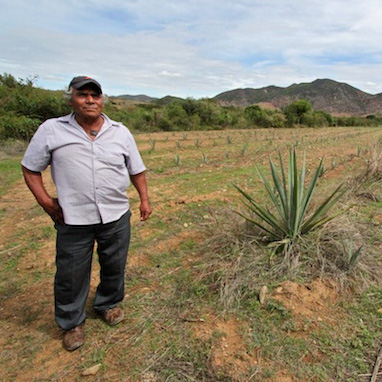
<point x="290" y="196"/>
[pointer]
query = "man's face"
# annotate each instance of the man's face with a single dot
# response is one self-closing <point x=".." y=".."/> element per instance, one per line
<point x="86" y="102"/>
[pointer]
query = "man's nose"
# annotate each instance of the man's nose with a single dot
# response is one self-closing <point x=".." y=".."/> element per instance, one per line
<point x="89" y="98"/>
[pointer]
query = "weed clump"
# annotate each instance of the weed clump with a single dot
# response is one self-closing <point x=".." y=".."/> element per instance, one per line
<point x="240" y="261"/>
<point x="367" y="184"/>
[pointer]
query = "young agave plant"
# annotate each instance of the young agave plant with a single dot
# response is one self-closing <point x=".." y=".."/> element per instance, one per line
<point x="290" y="198"/>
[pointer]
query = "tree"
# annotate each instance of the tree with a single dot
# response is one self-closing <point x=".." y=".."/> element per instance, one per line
<point x="296" y="111"/>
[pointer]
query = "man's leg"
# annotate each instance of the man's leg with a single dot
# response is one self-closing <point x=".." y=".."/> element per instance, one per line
<point x="73" y="260"/>
<point x="113" y="244"/>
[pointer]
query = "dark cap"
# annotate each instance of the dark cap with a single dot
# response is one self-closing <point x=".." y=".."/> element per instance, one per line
<point x="81" y="81"/>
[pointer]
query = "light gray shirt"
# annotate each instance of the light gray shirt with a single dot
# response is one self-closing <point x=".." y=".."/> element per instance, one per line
<point x="91" y="177"/>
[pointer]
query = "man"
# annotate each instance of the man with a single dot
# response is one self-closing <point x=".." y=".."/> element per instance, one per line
<point x="92" y="159"/>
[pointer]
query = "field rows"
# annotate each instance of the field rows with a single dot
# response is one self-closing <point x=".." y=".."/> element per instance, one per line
<point x="176" y="327"/>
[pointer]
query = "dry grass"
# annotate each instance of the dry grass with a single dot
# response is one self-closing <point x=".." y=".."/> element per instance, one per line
<point x="364" y="184"/>
<point x="241" y="261"/>
<point x="11" y="148"/>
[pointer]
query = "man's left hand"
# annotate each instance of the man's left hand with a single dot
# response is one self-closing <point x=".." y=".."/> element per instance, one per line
<point x="145" y="210"/>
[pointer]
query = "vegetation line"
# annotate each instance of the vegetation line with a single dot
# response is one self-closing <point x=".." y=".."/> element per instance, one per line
<point x="23" y="107"/>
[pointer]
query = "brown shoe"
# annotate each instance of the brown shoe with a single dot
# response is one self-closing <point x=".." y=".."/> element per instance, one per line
<point x="112" y="316"/>
<point x="74" y="338"/>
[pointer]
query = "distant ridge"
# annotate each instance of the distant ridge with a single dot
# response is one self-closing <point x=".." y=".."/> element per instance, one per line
<point x="146" y="99"/>
<point x="333" y="97"/>
<point x="137" y="98"/>
<point x="336" y="98"/>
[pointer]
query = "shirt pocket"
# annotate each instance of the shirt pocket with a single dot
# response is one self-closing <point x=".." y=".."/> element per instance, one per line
<point x="113" y="160"/>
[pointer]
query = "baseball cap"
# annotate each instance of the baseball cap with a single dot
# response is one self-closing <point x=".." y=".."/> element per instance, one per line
<point x="80" y="81"/>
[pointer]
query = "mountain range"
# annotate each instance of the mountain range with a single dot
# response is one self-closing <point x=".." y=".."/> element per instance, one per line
<point x="336" y="98"/>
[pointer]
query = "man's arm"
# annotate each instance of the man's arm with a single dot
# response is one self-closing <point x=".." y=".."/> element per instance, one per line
<point x="139" y="182"/>
<point x="49" y="204"/>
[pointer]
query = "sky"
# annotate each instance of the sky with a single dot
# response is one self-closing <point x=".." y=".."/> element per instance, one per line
<point x="196" y="48"/>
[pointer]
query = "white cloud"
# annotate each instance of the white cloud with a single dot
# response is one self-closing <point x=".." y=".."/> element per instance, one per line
<point x="192" y="48"/>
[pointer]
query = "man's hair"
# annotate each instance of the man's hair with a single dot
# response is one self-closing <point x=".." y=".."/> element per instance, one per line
<point x="68" y="94"/>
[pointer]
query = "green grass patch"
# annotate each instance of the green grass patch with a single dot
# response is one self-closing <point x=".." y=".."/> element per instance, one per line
<point x="10" y="172"/>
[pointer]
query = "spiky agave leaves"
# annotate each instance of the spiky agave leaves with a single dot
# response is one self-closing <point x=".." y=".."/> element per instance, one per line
<point x="290" y="198"/>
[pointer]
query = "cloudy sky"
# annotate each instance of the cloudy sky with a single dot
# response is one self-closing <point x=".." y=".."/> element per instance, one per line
<point x="196" y="48"/>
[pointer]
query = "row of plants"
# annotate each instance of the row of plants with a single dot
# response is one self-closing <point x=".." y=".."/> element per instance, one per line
<point x="23" y="107"/>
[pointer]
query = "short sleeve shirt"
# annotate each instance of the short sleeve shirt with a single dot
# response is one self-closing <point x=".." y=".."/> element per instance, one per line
<point x="91" y="177"/>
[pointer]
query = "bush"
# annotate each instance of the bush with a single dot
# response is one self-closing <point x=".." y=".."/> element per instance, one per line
<point x="24" y="107"/>
<point x="18" y="127"/>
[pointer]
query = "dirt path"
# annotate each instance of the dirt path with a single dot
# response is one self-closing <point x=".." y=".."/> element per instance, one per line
<point x="22" y="319"/>
<point x="29" y="337"/>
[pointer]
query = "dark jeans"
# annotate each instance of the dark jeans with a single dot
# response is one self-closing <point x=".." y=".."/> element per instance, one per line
<point x="74" y="246"/>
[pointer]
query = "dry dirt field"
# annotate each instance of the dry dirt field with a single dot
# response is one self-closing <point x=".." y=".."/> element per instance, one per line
<point x="173" y="332"/>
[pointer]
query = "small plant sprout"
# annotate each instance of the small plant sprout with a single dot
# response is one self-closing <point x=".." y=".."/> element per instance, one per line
<point x="229" y="139"/>
<point x="290" y="199"/>
<point x="205" y="159"/>
<point x="178" y="145"/>
<point x="152" y="143"/>
<point x="244" y="149"/>
<point x="198" y="143"/>
<point x="353" y="255"/>
<point x="177" y="160"/>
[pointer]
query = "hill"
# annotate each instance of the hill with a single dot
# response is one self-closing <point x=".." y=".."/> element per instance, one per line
<point x="137" y="98"/>
<point x="336" y="98"/>
<point x="333" y="97"/>
<point x="142" y="98"/>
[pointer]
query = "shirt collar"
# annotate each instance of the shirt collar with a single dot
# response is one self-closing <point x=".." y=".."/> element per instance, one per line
<point x="70" y="118"/>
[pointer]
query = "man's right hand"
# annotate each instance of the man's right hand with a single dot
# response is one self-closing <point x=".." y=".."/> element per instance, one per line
<point x="51" y="206"/>
<point x="53" y="209"/>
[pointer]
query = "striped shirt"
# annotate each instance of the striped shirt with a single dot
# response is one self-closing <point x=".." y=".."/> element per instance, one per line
<point x="91" y="177"/>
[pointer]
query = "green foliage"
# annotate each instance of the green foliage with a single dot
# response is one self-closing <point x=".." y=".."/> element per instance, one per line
<point x="256" y="116"/>
<point x="290" y="199"/>
<point x="298" y="112"/>
<point x="23" y="107"/>
<point x="177" y="115"/>
<point x="8" y="81"/>
<point x="190" y="114"/>
<point x="13" y="126"/>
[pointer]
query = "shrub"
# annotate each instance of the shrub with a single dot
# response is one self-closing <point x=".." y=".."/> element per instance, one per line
<point x="17" y="127"/>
